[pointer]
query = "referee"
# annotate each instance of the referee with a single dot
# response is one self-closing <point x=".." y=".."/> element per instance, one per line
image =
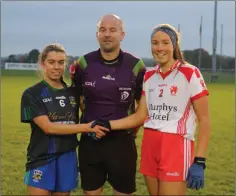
<point x="111" y="83"/>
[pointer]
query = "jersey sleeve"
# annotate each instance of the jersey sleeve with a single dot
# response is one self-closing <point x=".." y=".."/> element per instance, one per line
<point x="147" y="75"/>
<point x="141" y="69"/>
<point x="197" y="85"/>
<point x="77" y="80"/>
<point x="31" y="107"/>
<point x="144" y="89"/>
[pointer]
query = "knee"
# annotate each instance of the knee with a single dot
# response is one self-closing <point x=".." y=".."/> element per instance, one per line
<point x="117" y="193"/>
<point x="98" y="191"/>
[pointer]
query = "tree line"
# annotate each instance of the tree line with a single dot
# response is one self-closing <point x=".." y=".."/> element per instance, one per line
<point x="191" y="56"/>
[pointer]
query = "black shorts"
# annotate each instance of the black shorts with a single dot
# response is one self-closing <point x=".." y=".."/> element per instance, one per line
<point x="112" y="159"/>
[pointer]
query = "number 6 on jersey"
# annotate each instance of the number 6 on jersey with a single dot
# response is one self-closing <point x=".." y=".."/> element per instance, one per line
<point x="62" y="103"/>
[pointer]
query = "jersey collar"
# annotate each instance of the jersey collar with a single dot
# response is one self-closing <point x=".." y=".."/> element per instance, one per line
<point x="118" y="59"/>
<point x="176" y="65"/>
<point x="54" y="89"/>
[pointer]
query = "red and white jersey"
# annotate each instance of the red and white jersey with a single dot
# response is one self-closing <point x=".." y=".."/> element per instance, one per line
<point x="169" y="98"/>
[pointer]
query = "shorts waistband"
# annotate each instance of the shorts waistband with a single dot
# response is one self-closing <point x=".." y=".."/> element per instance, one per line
<point x="112" y="134"/>
<point x="150" y="129"/>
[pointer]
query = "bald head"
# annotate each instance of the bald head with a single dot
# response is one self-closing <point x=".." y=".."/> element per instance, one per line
<point x="110" y="33"/>
<point x="111" y="18"/>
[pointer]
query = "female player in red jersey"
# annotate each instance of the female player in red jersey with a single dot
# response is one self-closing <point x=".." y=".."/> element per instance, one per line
<point x="52" y="112"/>
<point x="174" y="99"/>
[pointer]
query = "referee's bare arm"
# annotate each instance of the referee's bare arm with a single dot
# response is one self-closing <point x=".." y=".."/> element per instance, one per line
<point x="64" y="129"/>
<point x="135" y="120"/>
<point x="202" y="111"/>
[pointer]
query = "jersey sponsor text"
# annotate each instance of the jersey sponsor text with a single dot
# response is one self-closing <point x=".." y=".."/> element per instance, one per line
<point x="163" y="107"/>
<point x="61" y="97"/>
<point x="45" y="100"/>
<point x="108" y="77"/>
<point x="87" y="83"/>
<point x="66" y="122"/>
<point x="54" y="116"/>
<point x="159" y="116"/>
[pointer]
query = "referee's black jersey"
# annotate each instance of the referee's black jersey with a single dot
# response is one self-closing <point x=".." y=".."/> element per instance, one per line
<point x="61" y="107"/>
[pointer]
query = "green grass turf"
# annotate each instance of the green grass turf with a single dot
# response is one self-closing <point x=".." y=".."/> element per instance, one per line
<point x="220" y="173"/>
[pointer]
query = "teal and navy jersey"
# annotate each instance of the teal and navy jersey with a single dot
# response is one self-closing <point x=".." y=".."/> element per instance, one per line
<point x="109" y="90"/>
<point x="61" y="107"/>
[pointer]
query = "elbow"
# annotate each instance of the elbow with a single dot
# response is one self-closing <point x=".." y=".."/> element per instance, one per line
<point x="48" y="129"/>
<point x="205" y="124"/>
<point x="141" y="119"/>
<point x="204" y="119"/>
<point x="141" y="115"/>
<point x="43" y="123"/>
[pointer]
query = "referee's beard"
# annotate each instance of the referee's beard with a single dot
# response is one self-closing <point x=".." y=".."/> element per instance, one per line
<point x="108" y="50"/>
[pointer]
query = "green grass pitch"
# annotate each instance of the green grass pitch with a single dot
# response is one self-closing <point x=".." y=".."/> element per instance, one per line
<point x="220" y="173"/>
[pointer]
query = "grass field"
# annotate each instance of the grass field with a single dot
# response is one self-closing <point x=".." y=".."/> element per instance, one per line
<point x="220" y="172"/>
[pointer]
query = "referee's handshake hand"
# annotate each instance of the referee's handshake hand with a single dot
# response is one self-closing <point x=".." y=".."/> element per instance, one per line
<point x="99" y="129"/>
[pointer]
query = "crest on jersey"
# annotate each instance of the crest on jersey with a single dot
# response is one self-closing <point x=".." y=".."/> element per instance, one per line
<point x="124" y="95"/>
<point x="72" y="101"/>
<point x="173" y="90"/>
<point x="37" y="175"/>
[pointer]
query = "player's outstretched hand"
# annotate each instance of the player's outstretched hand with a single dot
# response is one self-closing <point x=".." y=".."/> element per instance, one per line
<point x="195" y="178"/>
<point x="103" y="123"/>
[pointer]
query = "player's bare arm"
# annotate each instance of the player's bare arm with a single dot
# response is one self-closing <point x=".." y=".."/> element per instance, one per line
<point x="202" y="111"/>
<point x="62" y="129"/>
<point x="136" y="104"/>
<point x="135" y="132"/>
<point x="135" y="120"/>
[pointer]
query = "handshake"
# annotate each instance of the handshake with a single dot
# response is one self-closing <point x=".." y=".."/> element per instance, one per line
<point x="104" y="126"/>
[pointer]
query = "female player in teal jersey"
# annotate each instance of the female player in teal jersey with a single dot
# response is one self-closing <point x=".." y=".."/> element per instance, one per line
<point x="52" y="111"/>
